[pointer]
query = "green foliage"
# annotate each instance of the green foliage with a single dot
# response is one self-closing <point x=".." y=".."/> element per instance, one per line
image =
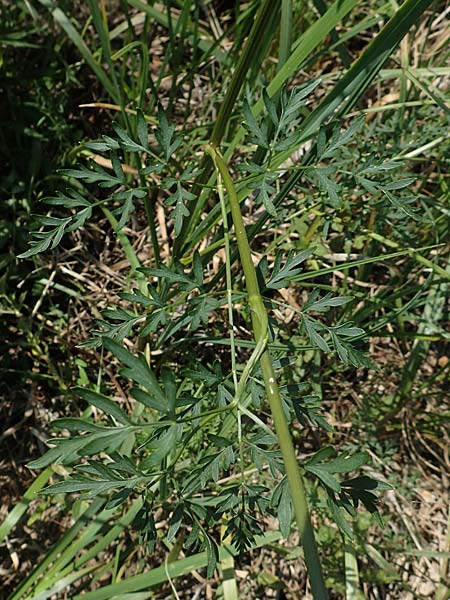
<point x="126" y="193"/>
<point x="138" y="455"/>
<point x="185" y="453"/>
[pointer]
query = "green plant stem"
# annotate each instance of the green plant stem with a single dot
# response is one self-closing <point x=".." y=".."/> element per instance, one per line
<point x="260" y="330"/>
<point x="226" y="238"/>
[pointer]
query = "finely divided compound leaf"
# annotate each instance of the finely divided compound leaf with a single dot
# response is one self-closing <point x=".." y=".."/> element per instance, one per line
<point x="42" y="240"/>
<point x="285" y="511"/>
<point x="149" y="400"/>
<point x="326" y="478"/>
<point x="312" y="328"/>
<point x="128" y="144"/>
<point x="69" y="450"/>
<point x="165" y="135"/>
<point x="96" y="174"/>
<point x="270" y="108"/>
<point x="342" y="138"/>
<point x="325" y="303"/>
<point x="74" y="424"/>
<point x="138" y="370"/>
<point x="345" y="464"/>
<point x="293" y="101"/>
<point x="141" y="129"/>
<point x="104" y="403"/>
<point x="180" y="211"/>
<point x="175" y="276"/>
<point x="327" y="185"/>
<point x="258" y="134"/>
<point x="175" y="521"/>
<point x="283" y="275"/>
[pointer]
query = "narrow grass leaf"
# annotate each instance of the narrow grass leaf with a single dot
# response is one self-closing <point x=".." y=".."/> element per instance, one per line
<point x="62" y="19"/>
<point x="59" y="550"/>
<point x="157" y="576"/>
<point x="20" y="508"/>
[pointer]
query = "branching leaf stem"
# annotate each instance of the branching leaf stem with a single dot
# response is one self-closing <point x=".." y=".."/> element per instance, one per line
<point x="260" y="331"/>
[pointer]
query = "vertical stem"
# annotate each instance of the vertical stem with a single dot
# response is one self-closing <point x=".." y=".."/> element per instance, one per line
<point x="259" y="323"/>
<point x="226" y="237"/>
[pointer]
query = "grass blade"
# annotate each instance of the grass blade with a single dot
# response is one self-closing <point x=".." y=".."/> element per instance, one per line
<point x="158" y="575"/>
<point x="352" y="591"/>
<point x="14" y="516"/>
<point x="60" y="547"/>
<point x="61" y="18"/>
